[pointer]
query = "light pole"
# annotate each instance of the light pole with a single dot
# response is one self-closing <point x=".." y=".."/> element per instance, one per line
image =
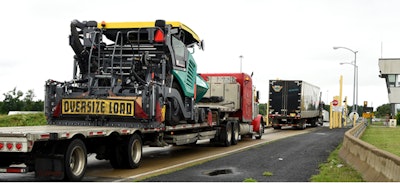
<point x="241" y="57"/>
<point x="355" y="82"/>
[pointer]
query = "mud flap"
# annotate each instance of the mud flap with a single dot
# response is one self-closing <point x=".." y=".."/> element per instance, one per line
<point x="50" y="167"/>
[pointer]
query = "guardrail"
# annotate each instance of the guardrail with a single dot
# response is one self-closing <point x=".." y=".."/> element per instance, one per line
<point x="375" y="165"/>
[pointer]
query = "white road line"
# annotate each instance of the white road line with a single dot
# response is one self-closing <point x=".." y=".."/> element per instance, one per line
<point x="200" y="159"/>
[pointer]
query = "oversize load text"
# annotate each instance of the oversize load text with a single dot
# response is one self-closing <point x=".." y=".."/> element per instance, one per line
<point x="98" y="106"/>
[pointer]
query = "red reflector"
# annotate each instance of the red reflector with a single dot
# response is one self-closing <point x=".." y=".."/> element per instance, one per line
<point x="45" y="136"/>
<point x="9" y="146"/>
<point x="1" y="146"/>
<point x="15" y="170"/>
<point x="159" y="36"/>
<point x="18" y="146"/>
<point x="57" y="110"/>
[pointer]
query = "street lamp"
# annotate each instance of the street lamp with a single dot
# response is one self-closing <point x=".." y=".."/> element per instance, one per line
<point x="241" y="57"/>
<point x="356" y="76"/>
<point x="355" y="88"/>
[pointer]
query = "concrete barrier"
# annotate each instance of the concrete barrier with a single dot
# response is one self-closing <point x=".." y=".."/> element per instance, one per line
<point x="375" y="165"/>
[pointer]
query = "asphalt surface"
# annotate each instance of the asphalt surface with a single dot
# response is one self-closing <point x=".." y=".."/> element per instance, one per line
<point x="293" y="159"/>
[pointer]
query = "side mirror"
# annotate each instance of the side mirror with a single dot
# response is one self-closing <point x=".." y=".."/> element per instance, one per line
<point x="257" y="95"/>
<point x="201" y="45"/>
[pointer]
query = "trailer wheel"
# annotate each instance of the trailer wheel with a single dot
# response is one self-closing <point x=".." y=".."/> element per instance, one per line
<point x="75" y="160"/>
<point x="116" y="158"/>
<point x="127" y="154"/>
<point x="226" y="135"/>
<point x="134" y="151"/>
<point x="235" y="133"/>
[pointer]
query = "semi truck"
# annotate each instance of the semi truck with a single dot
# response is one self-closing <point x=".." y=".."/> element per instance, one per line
<point x="294" y="103"/>
<point x="134" y="84"/>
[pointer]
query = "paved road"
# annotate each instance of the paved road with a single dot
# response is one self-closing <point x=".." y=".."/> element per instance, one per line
<point x="290" y="159"/>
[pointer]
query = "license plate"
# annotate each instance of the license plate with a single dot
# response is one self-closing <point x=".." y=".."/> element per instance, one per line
<point x="98" y="107"/>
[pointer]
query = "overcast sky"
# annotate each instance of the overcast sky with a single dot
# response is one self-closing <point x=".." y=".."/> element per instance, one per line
<point x="285" y="39"/>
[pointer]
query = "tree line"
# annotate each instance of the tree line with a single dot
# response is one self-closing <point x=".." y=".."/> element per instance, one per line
<point x="16" y="100"/>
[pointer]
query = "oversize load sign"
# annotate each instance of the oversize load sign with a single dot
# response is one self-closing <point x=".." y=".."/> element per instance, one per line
<point x="98" y="107"/>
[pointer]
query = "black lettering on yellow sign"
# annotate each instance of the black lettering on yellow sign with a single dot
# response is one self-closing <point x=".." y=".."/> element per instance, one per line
<point x="98" y="106"/>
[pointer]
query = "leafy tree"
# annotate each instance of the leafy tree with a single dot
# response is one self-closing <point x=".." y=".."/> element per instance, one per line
<point x="28" y="100"/>
<point x="263" y="109"/>
<point x="326" y="107"/>
<point x="38" y="106"/>
<point x="398" y="118"/>
<point x="382" y="110"/>
<point x="14" y="100"/>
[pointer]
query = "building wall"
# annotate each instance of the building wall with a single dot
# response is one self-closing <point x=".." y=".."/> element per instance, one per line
<point x="389" y="69"/>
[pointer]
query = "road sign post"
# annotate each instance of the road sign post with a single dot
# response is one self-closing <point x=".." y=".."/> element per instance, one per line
<point x="336" y="111"/>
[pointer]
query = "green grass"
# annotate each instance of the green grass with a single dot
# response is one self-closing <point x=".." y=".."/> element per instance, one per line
<point x="249" y="180"/>
<point x="336" y="170"/>
<point x="382" y="137"/>
<point x="23" y="120"/>
<point x="266" y="173"/>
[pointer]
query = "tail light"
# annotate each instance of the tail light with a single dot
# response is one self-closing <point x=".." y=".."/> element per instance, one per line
<point x="18" y="146"/>
<point x="1" y="145"/>
<point x="10" y="146"/>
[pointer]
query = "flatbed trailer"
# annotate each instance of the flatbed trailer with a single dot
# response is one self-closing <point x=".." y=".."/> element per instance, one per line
<point x="36" y="146"/>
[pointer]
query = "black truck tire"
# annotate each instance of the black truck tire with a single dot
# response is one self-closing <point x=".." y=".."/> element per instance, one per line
<point x="116" y="158"/>
<point x="127" y="153"/>
<point x="75" y="160"/>
<point x="235" y="133"/>
<point x="135" y="148"/>
<point x="173" y="113"/>
<point x="226" y="134"/>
